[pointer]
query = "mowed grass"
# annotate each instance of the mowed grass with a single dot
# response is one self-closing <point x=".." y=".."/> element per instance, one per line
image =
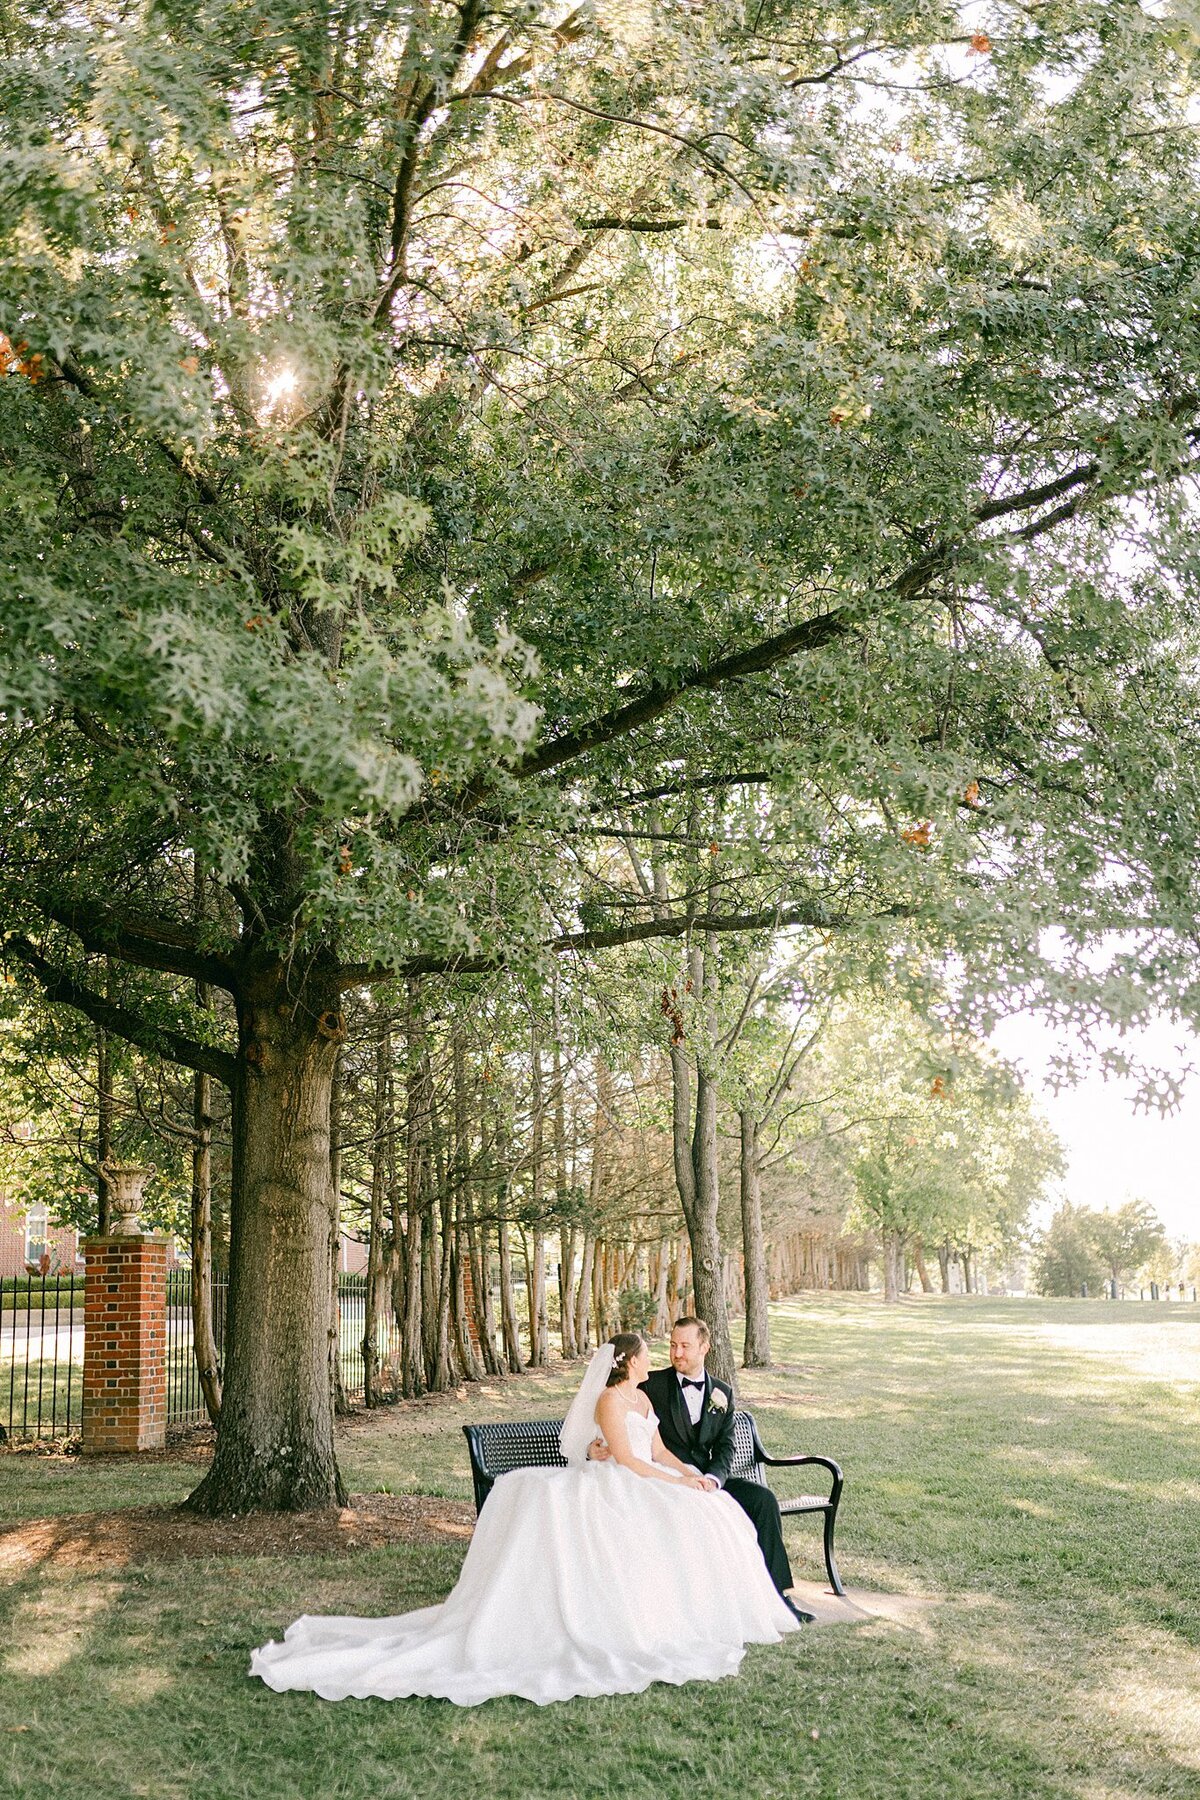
<point x="1027" y="1473"/>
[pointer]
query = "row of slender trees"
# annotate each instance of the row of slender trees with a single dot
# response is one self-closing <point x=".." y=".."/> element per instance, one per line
<point x="509" y="1157"/>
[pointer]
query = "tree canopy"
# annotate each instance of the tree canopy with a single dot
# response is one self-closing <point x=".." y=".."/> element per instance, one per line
<point x="442" y="441"/>
<point x="1082" y="1245"/>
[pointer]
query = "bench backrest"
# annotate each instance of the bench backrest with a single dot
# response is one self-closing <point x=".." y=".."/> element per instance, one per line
<point x="533" y="1443"/>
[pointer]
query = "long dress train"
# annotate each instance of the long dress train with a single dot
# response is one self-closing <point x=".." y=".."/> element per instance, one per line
<point x="578" y="1581"/>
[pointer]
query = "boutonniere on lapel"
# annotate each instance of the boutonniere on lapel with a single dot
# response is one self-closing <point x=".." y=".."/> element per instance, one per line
<point x="717" y="1403"/>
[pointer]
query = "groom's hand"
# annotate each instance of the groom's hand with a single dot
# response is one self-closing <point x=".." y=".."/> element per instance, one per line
<point x="598" y="1450"/>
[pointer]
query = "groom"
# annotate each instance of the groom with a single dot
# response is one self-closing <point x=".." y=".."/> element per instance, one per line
<point x="695" y="1422"/>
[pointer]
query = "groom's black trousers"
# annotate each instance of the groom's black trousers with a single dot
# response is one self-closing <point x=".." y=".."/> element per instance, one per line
<point x="762" y="1508"/>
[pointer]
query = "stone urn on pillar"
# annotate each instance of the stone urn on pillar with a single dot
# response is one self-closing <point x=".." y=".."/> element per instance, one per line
<point x="126" y="1188"/>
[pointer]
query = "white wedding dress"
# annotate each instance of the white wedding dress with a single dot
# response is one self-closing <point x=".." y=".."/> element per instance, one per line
<point x="585" y="1580"/>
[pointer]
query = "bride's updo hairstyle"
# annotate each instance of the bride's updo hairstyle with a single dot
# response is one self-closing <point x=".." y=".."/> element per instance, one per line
<point x="626" y="1346"/>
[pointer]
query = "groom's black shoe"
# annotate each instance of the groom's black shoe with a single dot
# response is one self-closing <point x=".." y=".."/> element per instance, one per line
<point x="804" y="1617"/>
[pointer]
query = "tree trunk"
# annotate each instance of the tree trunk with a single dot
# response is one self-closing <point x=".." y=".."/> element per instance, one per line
<point x="757" y="1348"/>
<point x="943" y="1257"/>
<point x="487" y="1304"/>
<point x="204" y="1341"/>
<point x="583" y="1294"/>
<point x="430" y="1282"/>
<point x="415" y="1197"/>
<point x="341" y="1403"/>
<point x="370" y="1343"/>
<point x="662" y="1305"/>
<point x="434" y="1249"/>
<point x="275" y="1442"/>
<point x="534" y="1245"/>
<point x="893" y="1257"/>
<point x="461" y="1325"/>
<point x="443" y="1375"/>
<point x="104" y="1121"/>
<point x="399" y="1260"/>
<point x="587" y="1310"/>
<point x="708" y="1273"/>
<point x="535" y="1274"/>
<point x="566" y="1291"/>
<point x="481" y="1281"/>
<point x="566" y="1240"/>
<point x="508" y="1308"/>
<point x="677" y="1290"/>
<point x="918" y="1255"/>
<point x="412" y="1360"/>
<point x="599" y="1309"/>
<point x="699" y="1194"/>
<point x="467" y="1329"/>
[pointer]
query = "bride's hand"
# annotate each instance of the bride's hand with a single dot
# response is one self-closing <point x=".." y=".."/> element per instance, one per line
<point x="698" y="1482"/>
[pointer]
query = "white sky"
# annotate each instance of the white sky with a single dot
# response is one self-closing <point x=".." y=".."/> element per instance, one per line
<point x="1115" y="1153"/>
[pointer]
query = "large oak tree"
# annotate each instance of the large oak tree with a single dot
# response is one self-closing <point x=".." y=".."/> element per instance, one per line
<point x="433" y="435"/>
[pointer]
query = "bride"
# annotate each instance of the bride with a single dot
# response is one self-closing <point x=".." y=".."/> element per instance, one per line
<point x="594" y="1579"/>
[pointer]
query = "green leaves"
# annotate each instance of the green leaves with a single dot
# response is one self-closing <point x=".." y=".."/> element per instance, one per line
<point x="408" y="399"/>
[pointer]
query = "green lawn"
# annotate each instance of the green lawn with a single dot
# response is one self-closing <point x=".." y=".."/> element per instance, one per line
<point x="1027" y="1471"/>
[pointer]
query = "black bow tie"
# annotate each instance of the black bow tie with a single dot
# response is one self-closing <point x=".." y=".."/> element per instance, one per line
<point x="684" y="1382"/>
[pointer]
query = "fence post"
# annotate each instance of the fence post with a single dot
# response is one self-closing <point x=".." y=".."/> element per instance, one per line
<point x="124" y="1343"/>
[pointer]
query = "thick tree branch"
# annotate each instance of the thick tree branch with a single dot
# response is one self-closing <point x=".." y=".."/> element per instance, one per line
<point x="688" y="783"/>
<point x="696" y="145"/>
<point x="615" y="222"/>
<point x="469" y="15"/>
<point x="812" y="634"/>
<point x="1036" y="496"/>
<point x="175" y="1046"/>
<point x="767" y="918"/>
<point x="79" y="379"/>
<point x="158" y="944"/>
<point x="494" y="70"/>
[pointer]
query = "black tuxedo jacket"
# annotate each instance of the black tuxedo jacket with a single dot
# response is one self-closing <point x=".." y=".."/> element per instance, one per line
<point x="707" y="1446"/>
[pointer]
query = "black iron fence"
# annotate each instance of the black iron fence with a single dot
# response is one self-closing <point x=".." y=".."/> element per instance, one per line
<point x="41" y="1355"/>
<point x="352" y="1318"/>
<point x="41" y="1350"/>
<point x="185" y="1398"/>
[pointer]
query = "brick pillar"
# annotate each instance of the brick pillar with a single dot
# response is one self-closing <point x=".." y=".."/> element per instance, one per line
<point x="125" y="1343"/>
<point x="472" y="1317"/>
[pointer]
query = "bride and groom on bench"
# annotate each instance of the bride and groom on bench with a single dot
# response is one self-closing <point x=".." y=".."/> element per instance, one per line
<point x="695" y="1414"/>
<point x="643" y="1560"/>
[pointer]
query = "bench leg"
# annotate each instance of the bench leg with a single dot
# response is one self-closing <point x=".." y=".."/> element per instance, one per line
<point x="831" y="1568"/>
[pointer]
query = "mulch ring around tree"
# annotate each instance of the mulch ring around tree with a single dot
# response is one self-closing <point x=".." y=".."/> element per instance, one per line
<point x="139" y="1534"/>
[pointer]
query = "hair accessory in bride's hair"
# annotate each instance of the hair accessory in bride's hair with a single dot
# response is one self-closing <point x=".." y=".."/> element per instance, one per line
<point x="625" y="1346"/>
<point x="579" y="1427"/>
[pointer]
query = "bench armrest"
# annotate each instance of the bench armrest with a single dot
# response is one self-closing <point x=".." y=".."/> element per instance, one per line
<point x="829" y="1508"/>
<point x="788" y="1462"/>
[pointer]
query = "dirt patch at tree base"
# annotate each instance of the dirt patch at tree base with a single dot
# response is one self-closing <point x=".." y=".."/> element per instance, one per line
<point x="139" y="1534"/>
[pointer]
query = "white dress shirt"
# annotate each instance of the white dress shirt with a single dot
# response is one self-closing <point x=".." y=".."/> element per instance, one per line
<point x="693" y="1399"/>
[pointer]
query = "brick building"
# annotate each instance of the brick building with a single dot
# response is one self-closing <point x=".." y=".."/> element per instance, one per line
<point x="26" y="1234"/>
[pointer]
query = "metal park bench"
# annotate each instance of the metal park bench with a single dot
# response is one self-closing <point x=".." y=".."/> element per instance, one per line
<point x="533" y="1443"/>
